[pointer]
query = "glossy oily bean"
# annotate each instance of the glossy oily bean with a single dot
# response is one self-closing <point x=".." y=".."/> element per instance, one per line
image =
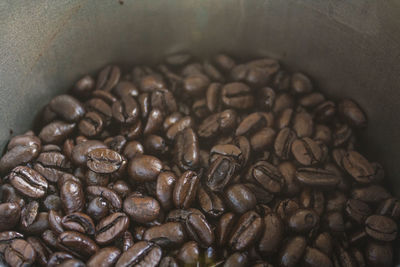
<point x="381" y="228"/>
<point x="28" y="182"/>
<point x="72" y="196"/>
<point x="141" y="254"/>
<point x="56" y="132"/>
<point x="108" y="78"/>
<point x="9" y="215"/>
<point x="301" y="84"/>
<point x="352" y="113"/>
<point x="240" y="198"/>
<point x="80" y="151"/>
<point x="104" y="161"/>
<point x="306" y="151"/>
<point x="224" y="228"/>
<point x="220" y="173"/>
<point x="358" y="167"/>
<point x="267" y="176"/>
<point x="273" y="234"/>
<point x="78" y="243"/>
<point x="180" y="125"/>
<point x="246" y="231"/>
<point x="315" y="258"/>
<point x="170" y="234"/>
<point x="91" y="125"/>
<point x="111" y="227"/>
<point x="29" y="213"/>
<point x="317" y="177"/>
<point x="303" y="221"/>
<point x="20" y="253"/>
<point x="217" y="123"/>
<point x="185" y="189"/>
<point x="126" y="111"/>
<point x="79" y="222"/>
<point x="144" y="168"/>
<point x="237" y="259"/>
<point x="357" y="210"/>
<point x="187" y="150"/>
<point x="188" y="254"/>
<point x="105" y="257"/>
<point x="292" y="252"/>
<point x="67" y="107"/>
<point x="199" y="229"/>
<point x="196" y="84"/>
<point x="42" y="251"/>
<point x="210" y="202"/>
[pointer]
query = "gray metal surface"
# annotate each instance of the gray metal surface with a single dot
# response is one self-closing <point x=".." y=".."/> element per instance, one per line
<point x="351" y="48"/>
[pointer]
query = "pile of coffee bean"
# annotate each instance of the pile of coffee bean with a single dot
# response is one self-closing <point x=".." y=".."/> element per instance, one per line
<point x="191" y="162"/>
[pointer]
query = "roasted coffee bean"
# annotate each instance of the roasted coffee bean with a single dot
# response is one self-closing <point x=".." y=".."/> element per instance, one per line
<point x="325" y="111"/>
<point x="28" y="182"/>
<point x="143" y="168"/>
<point x="168" y="261"/>
<point x="216" y="124"/>
<point x="352" y="113"/>
<point x="104" y="161"/>
<point x="189" y="254"/>
<point x="313" y="199"/>
<point x="127" y="240"/>
<point x="111" y="227"/>
<point x="9" y="215"/>
<point x="246" y="231"/>
<point x="220" y="173"/>
<point x="166" y="235"/>
<point x="283" y="143"/>
<point x="381" y="228"/>
<point x="306" y="151"/>
<point x="67" y="107"/>
<point x="262" y="139"/>
<point x="196" y="84"/>
<point x="284" y="119"/>
<point x="210" y="202"/>
<point x="316" y="177"/>
<point x="164" y="189"/>
<point x="42" y="251"/>
<point x="358" y="167"/>
<point x="57" y="258"/>
<point x="163" y="100"/>
<point x="293" y="251"/>
<point x="72" y="197"/>
<point x="20" y="253"/>
<point x="323" y="242"/>
<point x="141" y="209"/>
<point x="303" y="124"/>
<point x="91" y="124"/>
<point x="55" y="219"/>
<point x="187" y="150"/>
<point x="56" y="132"/>
<point x="79" y="222"/>
<point x="357" y="210"/>
<point x="240" y="198"/>
<point x="288" y="171"/>
<point x="142" y="254"/>
<point x="286" y="208"/>
<point x="301" y="84"/>
<point x="273" y="234"/>
<point x="29" y="213"/>
<point x="155" y="145"/>
<point x="132" y="149"/>
<point x="105" y="257"/>
<point x="108" y="78"/>
<point x="237" y="259"/>
<point x="379" y="254"/>
<point x="126" y="111"/>
<point x="282" y="102"/>
<point x="199" y="229"/>
<point x="314" y="258"/>
<point x="81" y="151"/>
<point x="7" y="237"/>
<point x="267" y="176"/>
<point x="334" y="221"/>
<point x="224" y="228"/>
<point x="390" y="207"/>
<point x="83" y="87"/>
<point x="52" y="165"/>
<point x="97" y="208"/>
<point x="178" y="126"/>
<point x="254" y="122"/>
<point x="185" y="189"/>
<point x="303" y="221"/>
<point x="78" y="243"/>
<point x="370" y="194"/>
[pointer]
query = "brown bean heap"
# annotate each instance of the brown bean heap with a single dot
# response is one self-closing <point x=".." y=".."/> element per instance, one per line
<point x="195" y="163"/>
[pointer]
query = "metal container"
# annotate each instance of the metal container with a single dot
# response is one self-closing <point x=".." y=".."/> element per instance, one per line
<point x="350" y="49"/>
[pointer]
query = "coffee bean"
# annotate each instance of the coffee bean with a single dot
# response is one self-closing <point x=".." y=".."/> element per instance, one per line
<point x="240" y="198"/>
<point x="253" y="122"/>
<point x="306" y="151"/>
<point x="72" y="197"/>
<point x="170" y="234"/>
<point x="220" y="173"/>
<point x="28" y="182"/>
<point x="358" y="167"/>
<point x="105" y="257"/>
<point x="91" y="124"/>
<point x="20" y="253"/>
<point x="42" y="251"/>
<point x="224" y="228"/>
<point x="237" y="259"/>
<point x="9" y="215"/>
<point x="317" y="177"/>
<point x="126" y="111"/>
<point x="108" y="78"/>
<point x="185" y="189"/>
<point x="56" y="132"/>
<point x="187" y="150"/>
<point x="323" y="242"/>
<point x="288" y="171"/>
<point x="325" y="111"/>
<point x="303" y="221"/>
<point x="352" y="113"/>
<point x="283" y="143"/>
<point x="188" y="255"/>
<point x="216" y="124"/>
<point x="29" y="213"/>
<point x="357" y="210"/>
<point x="144" y="168"/>
<point x="111" y="227"/>
<point x="58" y="258"/>
<point x="379" y="254"/>
<point x="246" y="231"/>
<point x="100" y="107"/>
<point x="303" y="124"/>
<point x="267" y="176"/>
<point x="273" y="234"/>
<point x="292" y="251"/>
<point x="83" y="87"/>
<point x="196" y="84"/>
<point x="314" y="257"/>
<point x="381" y="228"/>
<point x="104" y="161"/>
<point x="78" y="243"/>
<point x="390" y="207"/>
<point x="67" y="107"/>
<point x="80" y="151"/>
<point x="168" y="261"/>
<point x="132" y="149"/>
<point x="79" y="222"/>
<point x="286" y="208"/>
<point x="199" y="229"/>
<point x="370" y="194"/>
<point x="141" y="209"/>
<point x="52" y="165"/>
<point x="262" y="139"/>
<point x="142" y="253"/>
<point x="210" y="202"/>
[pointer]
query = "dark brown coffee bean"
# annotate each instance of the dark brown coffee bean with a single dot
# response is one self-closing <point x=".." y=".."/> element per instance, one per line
<point x="144" y="168"/>
<point x="163" y="100"/>
<point x="67" y="107"/>
<point x="379" y="254"/>
<point x="311" y="100"/>
<point x="334" y="221"/>
<point x="170" y="234"/>
<point x="7" y="237"/>
<point x="210" y="202"/>
<point x="111" y="227"/>
<point x="108" y="78"/>
<point x="42" y="251"/>
<point x="180" y="125"/>
<point x="126" y="111"/>
<point x="288" y="171"/>
<point x="303" y="221"/>
<point x="227" y="150"/>
<point x="52" y="165"/>
<point x="185" y="189"/>
<point x="315" y="258"/>
<point x="325" y="111"/>
<point x="187" y="150"/>
<point x="292" y="252"/>
<point x="78" y="243"/>
<point x="20" y="253"/>
<point x="273" y="234"/>
<point x="199" y="229"/>
<point x="237" y="259"/>
<point x="72" y="197"/>
<point x="286" y="208"/>
<point x="352" y="113"/>
<point x="189" y="254"/>
<point x="283" y="101"/>
<point x="97" y="208"/>
<point x="254" y="122"/>
<point x="303" y="124"/>
<point x="104" y="95"/>
<point x="55" y="219"/>
<point x="28" y="182"/>
<point x="196" y="84"/>
<point x="168" y="261"/>
<point x="105" y="257"/>
<point x="132" y="149"/>
<point x="9" y="215"/>
<point x="141" y="209"/>
<point x="212" y="97"/>
<point x="155" y="145"/>
<point x="220" y="173"/>
<point x="323" y="242"/>
<point x="216" y="124"/>
<point x="40" y="224"/>
<point x="267" y="176"/>
<point x="381" y="228"/>
<point x="316" y="177"/>
<point x="100" y="107"/>
<point x="390" y="208"/>
<point x="224" y="228"/>
<point x="313" y="199"/>
<point x="164" y="189"/>
<point x="246" y="231"/>
<point x="79" y="222"/>
<point x="83" y="87"/>
<point x="301" y="84"/>
<point x="80" y="151"/>
<point x="240" y="198"/>
<point x="283" y="143"/>
<point x="142" y="254"/>
<point x="58" y="258"/>
<point x="357" y="210"/>
<point x="29" y="213"/>
<point x="104" y="161"/>
<point x="262" y="139"/>
<point x="358" y="167"/>
<point x="307" y="151"/>
<point x="56" y="132"/>
<point x="285" y="118"/>
<point x="91" y="124"/>
<point x="370" y="194"/>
